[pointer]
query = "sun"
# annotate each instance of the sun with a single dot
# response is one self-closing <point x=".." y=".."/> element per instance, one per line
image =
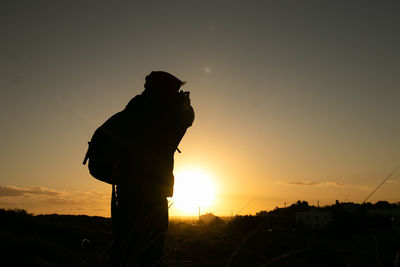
<point x="193" y="189"/>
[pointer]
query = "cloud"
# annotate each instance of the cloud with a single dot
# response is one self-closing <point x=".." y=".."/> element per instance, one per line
<point x="312" y="183"/>
<point x="38" y="199"/>
<point x="299" y="182"/>
<point x="324" y="184"/>
<point x="390" y="181"/>
<point x="13" y="191"/>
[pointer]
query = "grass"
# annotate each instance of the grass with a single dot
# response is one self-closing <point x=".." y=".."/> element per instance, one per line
<point x="56" y="240"/>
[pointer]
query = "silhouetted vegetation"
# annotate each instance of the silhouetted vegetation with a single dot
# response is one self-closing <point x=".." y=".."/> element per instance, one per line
<point x="53" y="240"/>
<point x="356" y="235"/>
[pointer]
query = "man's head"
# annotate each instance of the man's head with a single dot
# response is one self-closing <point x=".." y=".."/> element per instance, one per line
<point x="162" y="84"/>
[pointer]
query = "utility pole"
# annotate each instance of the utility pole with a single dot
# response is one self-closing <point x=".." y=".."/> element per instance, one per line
<point x="199" y="213"/>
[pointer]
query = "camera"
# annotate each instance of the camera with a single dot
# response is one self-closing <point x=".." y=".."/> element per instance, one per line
<point x="183" y="100"/>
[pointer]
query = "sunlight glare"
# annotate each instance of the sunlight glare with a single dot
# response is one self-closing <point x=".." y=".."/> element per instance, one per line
<point x="193" y="189"/>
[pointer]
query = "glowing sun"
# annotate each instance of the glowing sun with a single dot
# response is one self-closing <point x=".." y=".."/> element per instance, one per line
<point x="193" y="189"/>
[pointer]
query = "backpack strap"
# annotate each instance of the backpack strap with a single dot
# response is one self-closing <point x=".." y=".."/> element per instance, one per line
<point x="87" y="155"/>
<point x="114" y="210"/>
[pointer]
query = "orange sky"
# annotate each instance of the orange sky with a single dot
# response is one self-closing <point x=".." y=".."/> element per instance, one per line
<point x="293" y="100"/>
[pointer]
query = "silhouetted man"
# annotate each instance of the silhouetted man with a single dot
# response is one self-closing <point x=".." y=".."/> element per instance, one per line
<point x="153" y="125"/>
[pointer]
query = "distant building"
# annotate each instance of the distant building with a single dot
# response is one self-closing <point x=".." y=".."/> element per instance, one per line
<point x="262" y="213"/>
<point x="314" y="218"/>
<point x="208" y="217"/>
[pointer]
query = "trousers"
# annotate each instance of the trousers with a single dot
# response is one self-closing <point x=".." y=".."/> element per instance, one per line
<point x="140" y="224"/>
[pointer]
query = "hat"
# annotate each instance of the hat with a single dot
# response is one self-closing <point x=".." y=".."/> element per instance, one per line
<point x="162" y="82"/>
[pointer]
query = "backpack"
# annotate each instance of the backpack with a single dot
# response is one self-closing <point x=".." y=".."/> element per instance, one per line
<point x="105" y="149"/>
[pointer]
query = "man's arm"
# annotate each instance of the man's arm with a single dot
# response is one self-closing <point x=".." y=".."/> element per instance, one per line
<point x="184" y="115"/>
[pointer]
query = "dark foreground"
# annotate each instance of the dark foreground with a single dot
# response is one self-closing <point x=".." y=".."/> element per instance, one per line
<point x="268" y="240"/>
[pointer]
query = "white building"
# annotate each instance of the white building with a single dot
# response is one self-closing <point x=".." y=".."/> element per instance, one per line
<point x="394" y="213"/>
<point x="315" y="218"/>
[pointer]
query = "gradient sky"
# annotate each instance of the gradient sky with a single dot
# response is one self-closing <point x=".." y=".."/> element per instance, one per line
<point x="293" y="99"/>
